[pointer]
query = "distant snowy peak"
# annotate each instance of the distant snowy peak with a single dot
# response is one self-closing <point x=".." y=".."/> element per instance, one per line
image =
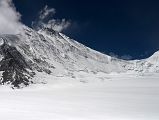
<point x="154" y="57"/>
<point x="153" y="62"/>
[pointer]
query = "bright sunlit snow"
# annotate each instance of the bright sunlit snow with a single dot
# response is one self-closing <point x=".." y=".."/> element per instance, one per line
<point x="86" y="97"/>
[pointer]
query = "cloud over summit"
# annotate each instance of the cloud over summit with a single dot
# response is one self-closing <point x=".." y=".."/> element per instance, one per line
<point x="46" y="19"/>
<point x="9" y="18"/>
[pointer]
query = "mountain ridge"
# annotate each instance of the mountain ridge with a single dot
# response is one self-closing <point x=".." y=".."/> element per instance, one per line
<point x="54" y="53"/>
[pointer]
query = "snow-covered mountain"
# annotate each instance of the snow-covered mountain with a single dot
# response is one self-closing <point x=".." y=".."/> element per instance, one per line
<point x="24" y="56"/>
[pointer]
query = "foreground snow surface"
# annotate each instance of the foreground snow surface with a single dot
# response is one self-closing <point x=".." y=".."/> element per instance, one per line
<point x="86" y="97"/>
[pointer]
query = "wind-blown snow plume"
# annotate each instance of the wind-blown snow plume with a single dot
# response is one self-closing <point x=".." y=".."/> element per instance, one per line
<point x="58" y="25"/>
<point x="123" y="57"/>
<point x="9" y="18"/>
<point x="45" y="12"/>
<point x="46" y="19"/>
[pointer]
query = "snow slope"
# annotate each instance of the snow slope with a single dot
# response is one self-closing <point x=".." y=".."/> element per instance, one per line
<point x="74" y="56"/>
<point x="25" y="56"/>
<point x="88" y="97"/>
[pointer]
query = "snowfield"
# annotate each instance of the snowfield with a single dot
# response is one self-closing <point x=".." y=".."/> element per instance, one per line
<point x="85" y="97"/>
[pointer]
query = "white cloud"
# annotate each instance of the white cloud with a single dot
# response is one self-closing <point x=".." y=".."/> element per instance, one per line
<point x="46" y="20"/>
<point x="45" y="12"/>
<point x="9" y="18"/>
<point x="58" y="25"/>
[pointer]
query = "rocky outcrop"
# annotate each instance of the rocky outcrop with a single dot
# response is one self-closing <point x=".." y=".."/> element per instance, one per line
<point x="14" y="67"/>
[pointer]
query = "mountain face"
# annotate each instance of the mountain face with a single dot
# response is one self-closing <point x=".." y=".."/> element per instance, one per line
<point x="47" y="51"/>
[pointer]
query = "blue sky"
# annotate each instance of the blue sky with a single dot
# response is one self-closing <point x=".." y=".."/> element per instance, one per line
<point x="116" y="27"/>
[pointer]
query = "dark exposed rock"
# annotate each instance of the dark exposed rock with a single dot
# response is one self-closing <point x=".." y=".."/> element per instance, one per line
<point x="14" y="67"/>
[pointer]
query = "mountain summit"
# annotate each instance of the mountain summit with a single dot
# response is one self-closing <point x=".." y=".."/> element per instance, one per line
<point x="24" y="56"/>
